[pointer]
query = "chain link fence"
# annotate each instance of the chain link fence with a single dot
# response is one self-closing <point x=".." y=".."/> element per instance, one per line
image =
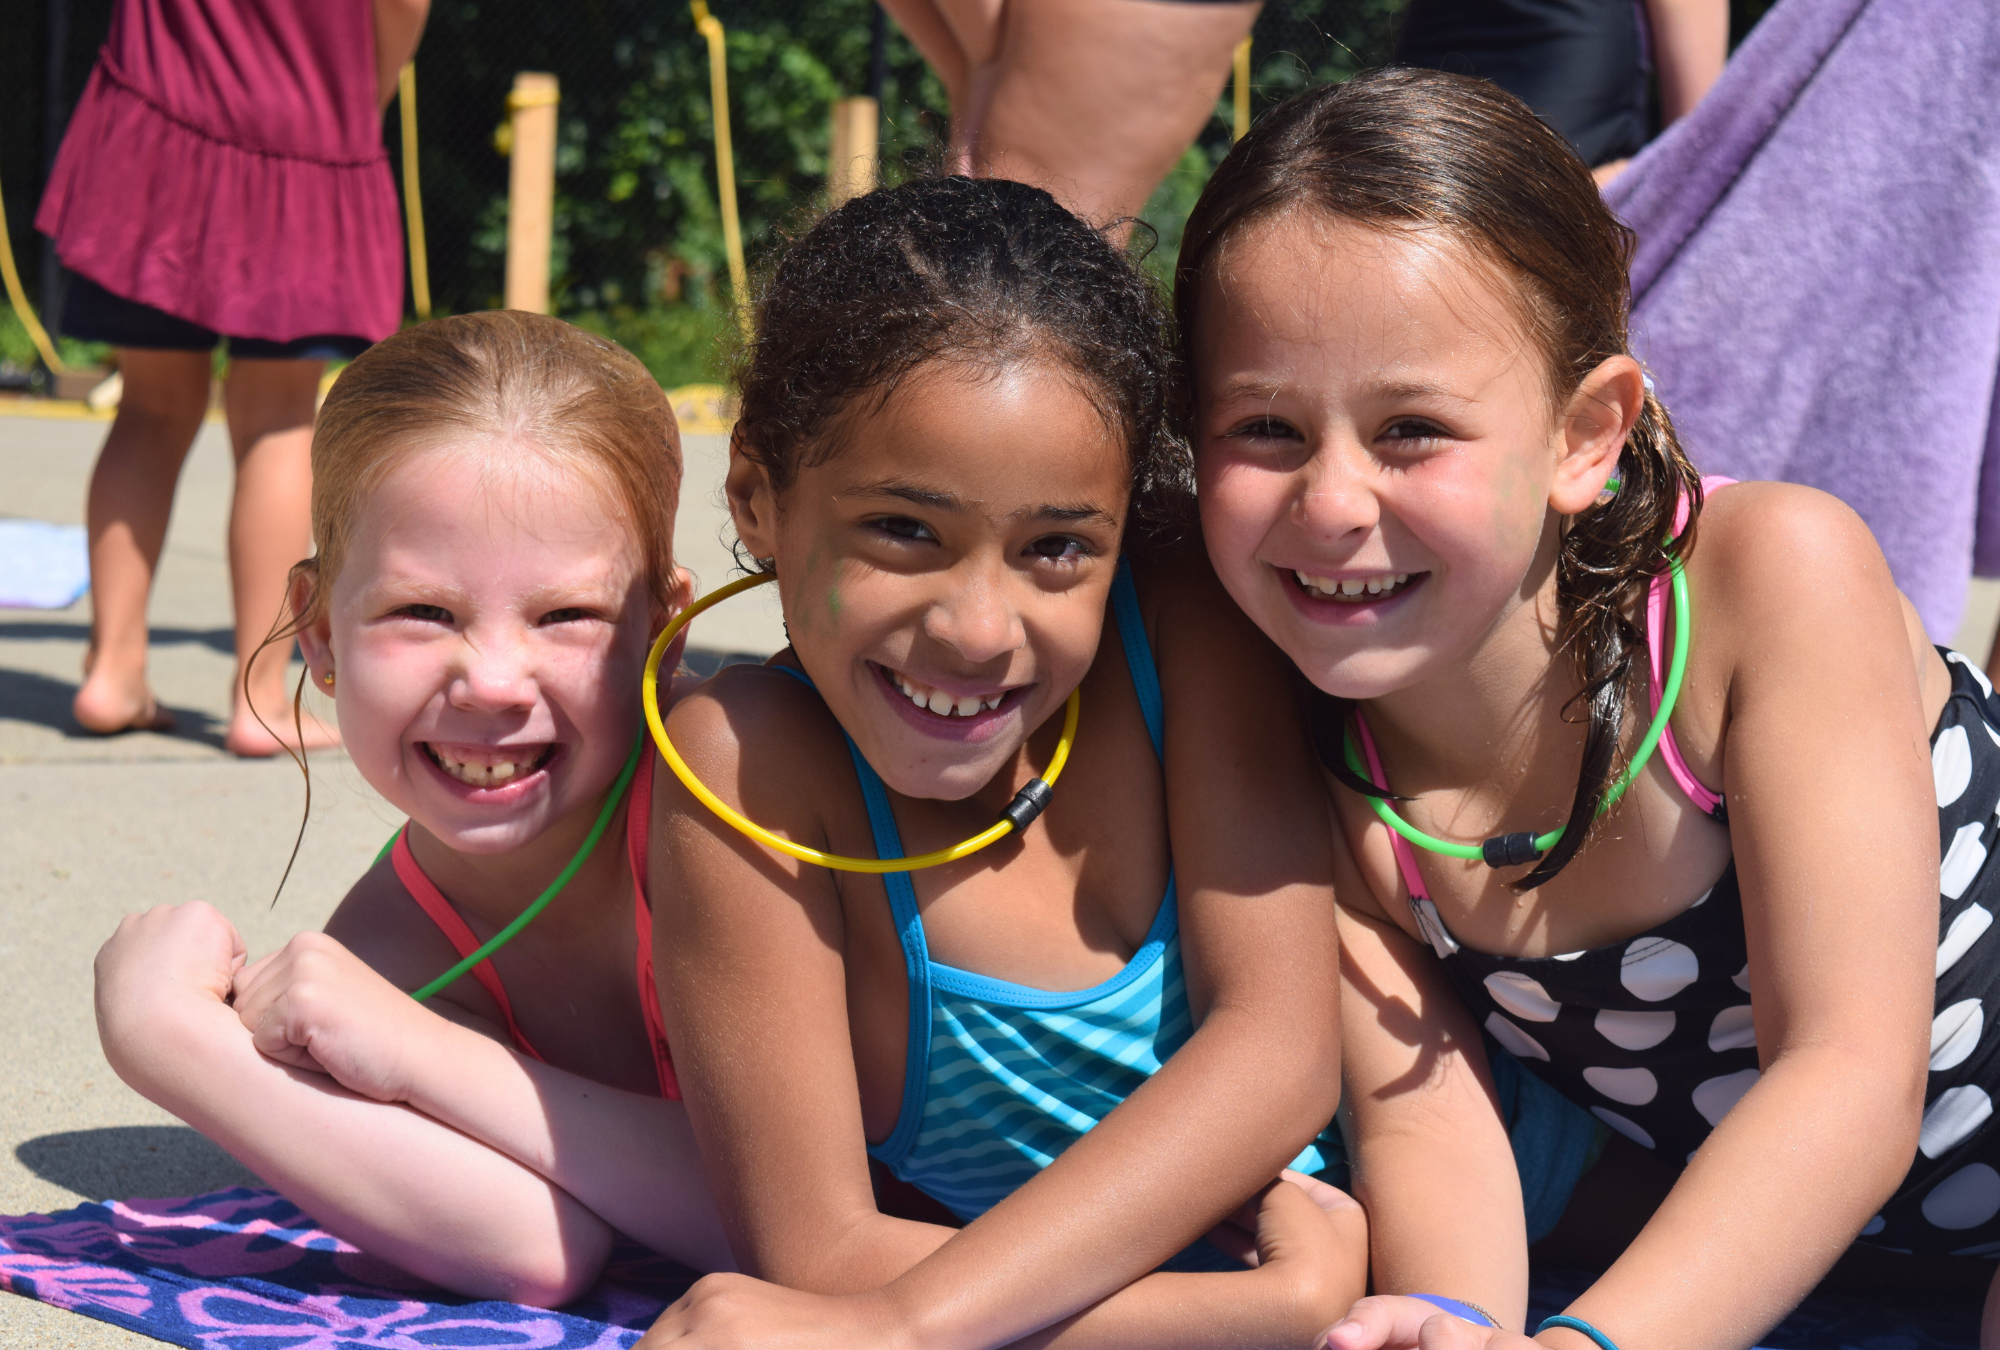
<point x="638" y="249"/>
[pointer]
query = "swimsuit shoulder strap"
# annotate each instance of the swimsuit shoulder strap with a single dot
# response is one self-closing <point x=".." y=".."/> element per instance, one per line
<point x="431" y="900"/>
<point x="1697" y="792"/>
<point x="638" y="824"/>
<point x="1406" y="856"/>
<point x="1139" y="655"/>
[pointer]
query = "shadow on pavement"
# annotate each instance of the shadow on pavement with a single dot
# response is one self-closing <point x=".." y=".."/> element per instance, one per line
<point x="28" y="697"/>
<point x="126" y="1161"/>
<point x="215" y="639"/>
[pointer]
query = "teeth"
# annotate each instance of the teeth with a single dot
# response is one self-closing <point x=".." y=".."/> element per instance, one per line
<point x="1328" y="588"/>
<point x="482" y="775"/>
<point x="941" y="703"/>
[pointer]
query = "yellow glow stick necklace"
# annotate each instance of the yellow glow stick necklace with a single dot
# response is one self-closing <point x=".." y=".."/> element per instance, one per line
<point x="1020" y="813"/>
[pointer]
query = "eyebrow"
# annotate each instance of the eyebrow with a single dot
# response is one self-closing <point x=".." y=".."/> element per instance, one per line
<point x="1269" y="390"/>
<point x="1067" y="513"/>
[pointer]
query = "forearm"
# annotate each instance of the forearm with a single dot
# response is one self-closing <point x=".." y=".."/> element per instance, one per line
<point x="399" y="26"/>
<point x="1174" y="1311"/>
<point x="1771" y="1200"/>
<point x="383" y="1176"/>
<point x="1445" y="1217"/>
<point x="1690" y="45"/>
<point x="630" y="1158"/>
<point x="1157" y="1173"/>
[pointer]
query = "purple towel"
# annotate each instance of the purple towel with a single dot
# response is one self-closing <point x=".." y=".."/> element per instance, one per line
<point x="1817" y="285"/>
<point x="244" y="1270"/>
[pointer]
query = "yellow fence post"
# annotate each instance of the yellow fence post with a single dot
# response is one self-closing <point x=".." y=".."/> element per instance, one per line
<point x="1242" y="90"/>
<point x="413" y="202"/>
<point x="710" y="27"/>
<point x="531" y="189"/>
<point x="850" y="160"/>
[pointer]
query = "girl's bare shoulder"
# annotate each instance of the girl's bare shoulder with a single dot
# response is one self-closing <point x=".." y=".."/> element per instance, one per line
<point x="763" y="741"/>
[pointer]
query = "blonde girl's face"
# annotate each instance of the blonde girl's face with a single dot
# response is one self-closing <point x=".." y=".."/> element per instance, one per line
<point x="486" y="633"/>
<point x="1375" y="446"/>
<point x="944" y="571"/>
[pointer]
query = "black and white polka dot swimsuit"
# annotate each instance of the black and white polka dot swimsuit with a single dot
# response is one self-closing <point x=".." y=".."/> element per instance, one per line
<point x="1653" y="1034"/>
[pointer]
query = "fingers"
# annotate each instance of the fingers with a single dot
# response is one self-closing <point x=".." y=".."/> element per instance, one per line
<point x="1328" y="1198"/>
<point x="1390" y="1322"/>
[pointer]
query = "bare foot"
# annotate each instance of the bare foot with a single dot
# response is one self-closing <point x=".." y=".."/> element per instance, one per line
<point x="249" y="739"/>
<point x="108" y="706"/>
<point x="106" y="712"/>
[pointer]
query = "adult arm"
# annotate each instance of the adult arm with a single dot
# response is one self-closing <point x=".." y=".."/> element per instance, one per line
<point x="399" y="26"/>
<point x="1690" y="45"/>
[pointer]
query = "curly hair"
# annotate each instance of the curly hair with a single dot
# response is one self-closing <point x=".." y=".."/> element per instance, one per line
<point x="1424" y="150"/>
<point x="980" y="271"/>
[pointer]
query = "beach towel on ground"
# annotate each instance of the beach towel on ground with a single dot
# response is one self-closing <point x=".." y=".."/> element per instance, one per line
<point x="244" y="1270"/>
<point x="42" y="566"/>
<point x="1817" y="283"/>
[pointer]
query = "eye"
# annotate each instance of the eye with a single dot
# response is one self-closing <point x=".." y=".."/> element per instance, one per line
<point x="571" y="614"/>
<point x="1265" y="429"/>
<point x="423" y="613"/>
<point x="1414" y="429"/>
<point x="1059" y="548"/>
<point x="904" y="527"/>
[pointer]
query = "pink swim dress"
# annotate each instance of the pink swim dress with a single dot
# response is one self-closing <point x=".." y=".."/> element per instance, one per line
<point x="225" y="166"/>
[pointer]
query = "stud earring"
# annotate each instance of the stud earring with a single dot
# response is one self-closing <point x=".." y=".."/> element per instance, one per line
<point x="327" y="679"/>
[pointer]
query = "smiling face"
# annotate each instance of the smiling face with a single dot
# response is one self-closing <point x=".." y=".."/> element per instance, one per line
<point x="944" y="571"/>
<point x="1381" y="468"/>
<point x="487" y="630"/>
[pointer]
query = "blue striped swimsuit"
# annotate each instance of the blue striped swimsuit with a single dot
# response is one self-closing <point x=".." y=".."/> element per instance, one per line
<point x="1001" y="1078"/>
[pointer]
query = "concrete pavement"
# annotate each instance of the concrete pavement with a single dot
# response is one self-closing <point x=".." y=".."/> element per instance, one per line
<point x="92" y="828"/>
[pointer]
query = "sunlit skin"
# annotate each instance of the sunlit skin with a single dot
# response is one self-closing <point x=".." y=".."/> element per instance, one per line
<point x="935" y="551"/>
<point x="1372" y="407"/>
<point x="960" y="533"/>
<point x="483" y="598"/>
<point x="494" y="606"/>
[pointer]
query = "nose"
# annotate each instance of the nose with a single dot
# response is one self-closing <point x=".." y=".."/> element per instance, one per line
<point x="1334" y="497"/>
<point x="495" y="673"/>
<point x="976" y="617"/>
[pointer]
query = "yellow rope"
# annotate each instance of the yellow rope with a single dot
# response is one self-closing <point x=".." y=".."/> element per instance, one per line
<point x="413" y="202"/>
<point x="1242" y="91"/>
<point x="19" y="299"/>
<point x="710" y="27"/>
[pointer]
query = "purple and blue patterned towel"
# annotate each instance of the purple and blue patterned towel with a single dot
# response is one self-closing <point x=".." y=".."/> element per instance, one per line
<point x="244" y="1270"/>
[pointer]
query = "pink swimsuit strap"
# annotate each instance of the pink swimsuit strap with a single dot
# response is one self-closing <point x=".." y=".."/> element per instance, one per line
<point x="1656" y="641"/>
<point x="638" y="821"/>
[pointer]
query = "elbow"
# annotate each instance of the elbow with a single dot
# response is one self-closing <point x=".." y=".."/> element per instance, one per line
<point x="547" y="1274"/>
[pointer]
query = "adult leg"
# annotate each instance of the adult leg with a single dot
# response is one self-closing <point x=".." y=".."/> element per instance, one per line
<point x="960" y="39"/>
<point x="131" y="498"/>
<point x="1096" y="100"/>
<point x="270" y="410"/>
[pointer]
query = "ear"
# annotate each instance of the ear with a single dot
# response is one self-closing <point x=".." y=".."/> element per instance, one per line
<point x="316" y="637"/>
<point x="753" y="503"/>
<point x="1600" y="415"/>
<point x="662" y="615"/>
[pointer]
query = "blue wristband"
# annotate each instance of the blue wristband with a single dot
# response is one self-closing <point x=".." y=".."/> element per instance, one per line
<point x="1470" y="1312"/>
<point x="1604" y="1342"/>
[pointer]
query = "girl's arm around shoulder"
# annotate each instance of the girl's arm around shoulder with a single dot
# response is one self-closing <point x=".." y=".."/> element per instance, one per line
<point x="749" y="948"/>
<point x="1252" y="845"/>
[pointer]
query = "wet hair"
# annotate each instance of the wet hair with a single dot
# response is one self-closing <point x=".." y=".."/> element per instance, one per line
<point x="979" y="272"/>
<point x="582" y="401"/>
<point x="1441" y="154"/>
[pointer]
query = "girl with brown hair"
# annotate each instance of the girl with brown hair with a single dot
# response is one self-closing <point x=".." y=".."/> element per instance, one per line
<point x="493" y="503"/>
<point x="1691" y="878"/>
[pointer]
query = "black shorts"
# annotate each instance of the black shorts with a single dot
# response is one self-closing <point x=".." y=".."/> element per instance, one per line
<point x="94" y="314"/>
